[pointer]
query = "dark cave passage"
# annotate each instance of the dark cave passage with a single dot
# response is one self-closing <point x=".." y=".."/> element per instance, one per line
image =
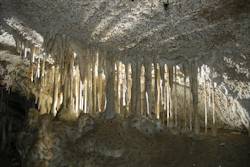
<point x="13" y="110"/>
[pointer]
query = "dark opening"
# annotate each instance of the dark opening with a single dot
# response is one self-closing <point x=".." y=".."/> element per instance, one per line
<point x="13" y="109"/>
<point x="165" y="5"/>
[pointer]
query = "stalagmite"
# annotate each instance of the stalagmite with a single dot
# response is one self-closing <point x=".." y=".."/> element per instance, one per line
<point x="194" y="91"/>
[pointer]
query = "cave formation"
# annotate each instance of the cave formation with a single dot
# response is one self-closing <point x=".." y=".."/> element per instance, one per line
<point x="125" y="83"/>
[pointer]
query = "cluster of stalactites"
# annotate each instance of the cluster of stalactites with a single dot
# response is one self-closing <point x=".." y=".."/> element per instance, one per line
<point x="94" y="83"/>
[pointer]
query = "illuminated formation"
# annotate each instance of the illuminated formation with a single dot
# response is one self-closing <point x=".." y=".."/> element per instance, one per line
<point x="70" y="81"/>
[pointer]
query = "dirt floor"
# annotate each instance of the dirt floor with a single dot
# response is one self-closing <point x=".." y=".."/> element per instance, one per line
<point x="113" y="143"/>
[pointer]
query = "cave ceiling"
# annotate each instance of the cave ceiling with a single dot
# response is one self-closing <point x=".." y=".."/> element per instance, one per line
<point x="171" y="30"/>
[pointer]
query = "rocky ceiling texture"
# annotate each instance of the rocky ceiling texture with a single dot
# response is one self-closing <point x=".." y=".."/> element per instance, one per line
<point x="166" y="29"/>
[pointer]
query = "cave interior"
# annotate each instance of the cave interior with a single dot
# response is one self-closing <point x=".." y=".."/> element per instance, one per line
<point x="124" y="83"/>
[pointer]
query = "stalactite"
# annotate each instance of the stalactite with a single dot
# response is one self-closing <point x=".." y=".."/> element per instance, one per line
<point x="70" y="106"/>
<point x="90" y="89"/>
<point x="100" y="89"/>
<point x="205" y="104"/>
<point x="94" y="78"/>
<point x="194" y="90"/>
<point x="214" y="128"/>
<point x="117" y="89"/>
<point x="163" y="92"/>
<point x="43" y="71"/>
<point x="31" y="64"/>
<point x="123" y="90"/>
<point x="128" y="71"/>
<point x="134" y="91"/>
<point x="142" y="85"/>
<point x="190" y="108"/>
<point x="77" y="89"/>
<point x="110" y="75"/>
<point x="153" y="99"/>
<point x="85" y="95"/>
<point x="170" y="72"/>
<point x="157" y="91"/>
<point x="185" y="98"/>
<point x="65" y="88"/>
<point x="148" y="80"/>
<point x="138" y="88"/>
<point x="38" y="68"/>
<point x="175" y="103"/>
<point x="55" y="91"/>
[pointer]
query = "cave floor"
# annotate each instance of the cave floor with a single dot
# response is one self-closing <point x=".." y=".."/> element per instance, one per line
<point x="110" y="144"/>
